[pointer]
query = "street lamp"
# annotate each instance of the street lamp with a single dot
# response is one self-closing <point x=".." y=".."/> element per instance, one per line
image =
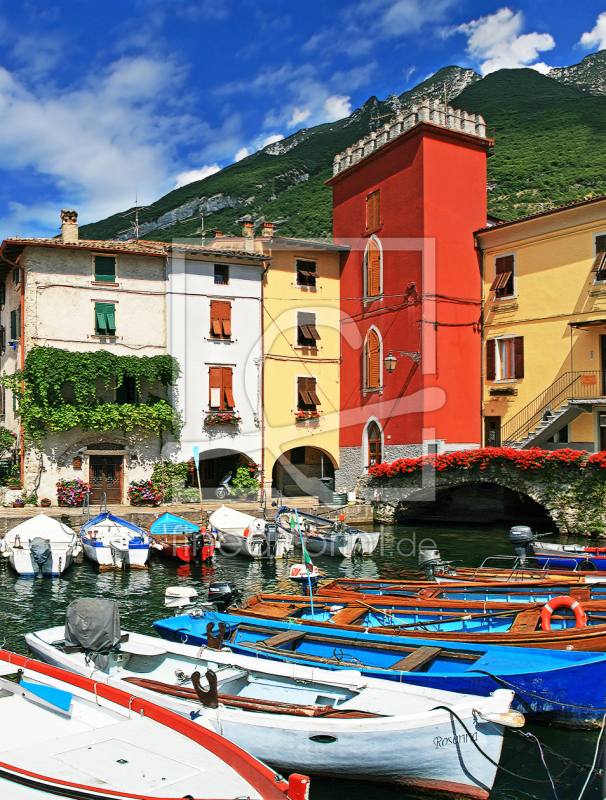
<point x="390" y="362"/>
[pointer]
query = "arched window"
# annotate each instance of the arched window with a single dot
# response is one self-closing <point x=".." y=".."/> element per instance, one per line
<point x="373" y="360"/>
<point x="373" y="269"/>
<point x="374" y="444"/>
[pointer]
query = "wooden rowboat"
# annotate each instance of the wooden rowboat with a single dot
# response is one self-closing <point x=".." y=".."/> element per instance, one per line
<point x="179" y="538"/>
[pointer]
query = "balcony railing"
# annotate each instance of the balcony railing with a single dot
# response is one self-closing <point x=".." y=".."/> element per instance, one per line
<point x="569" y="386"/>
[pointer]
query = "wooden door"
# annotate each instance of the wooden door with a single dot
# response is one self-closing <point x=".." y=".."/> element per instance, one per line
<point x="492" y="431"/>
<point x="106" y="477"/>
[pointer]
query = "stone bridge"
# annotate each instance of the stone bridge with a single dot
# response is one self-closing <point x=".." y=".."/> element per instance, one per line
<point x="574" y="497"/>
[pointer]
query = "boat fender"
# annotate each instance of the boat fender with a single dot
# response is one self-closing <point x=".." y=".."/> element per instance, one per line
<point x="298" y="787"/>
<point x="246" y="532"/>
<point x="563" y="602"/>
<point x="209" y="698"/>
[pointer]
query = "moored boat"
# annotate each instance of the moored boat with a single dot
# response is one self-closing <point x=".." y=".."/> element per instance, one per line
<point x="287" y="714"/>
<point x="242" y="534"/>
<point x="114" y="543"/>
<point x="557" y="686"/>
<point x="325" y="537"/>
<point x="40" y="546"/>
<point x="179" y="538"/>
<point x="64" y="735"/>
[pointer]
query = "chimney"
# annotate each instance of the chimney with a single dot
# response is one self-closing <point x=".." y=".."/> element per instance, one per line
<point x="218" y="233"/>
<point x="268" y="228"/>
<point x="69" y="226"/>
<point x="248" y="229"/>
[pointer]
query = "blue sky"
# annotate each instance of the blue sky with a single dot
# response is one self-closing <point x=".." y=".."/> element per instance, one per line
<point x="100" y="101"/>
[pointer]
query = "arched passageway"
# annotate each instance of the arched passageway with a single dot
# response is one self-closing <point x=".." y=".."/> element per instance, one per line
<point x="303" y="471"/>
<point x="216" y="464"/>
<point x="478" y="503"/>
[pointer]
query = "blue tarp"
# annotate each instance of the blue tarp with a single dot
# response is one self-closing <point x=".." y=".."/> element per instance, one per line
<point x="168" y="524"/>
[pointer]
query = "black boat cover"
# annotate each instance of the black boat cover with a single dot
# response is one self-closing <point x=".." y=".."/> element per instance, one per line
<point x="94" y="625"/>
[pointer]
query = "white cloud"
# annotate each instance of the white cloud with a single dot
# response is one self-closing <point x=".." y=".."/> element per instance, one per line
<point x="495" y="42"/>
<point x="299" y="115"/>
<point x="337" y="106"/>
<point x="276" y="137"/>
<point x="242" y="153"/>
<point x="597" y="36"/>
<point x="183" y="178"/>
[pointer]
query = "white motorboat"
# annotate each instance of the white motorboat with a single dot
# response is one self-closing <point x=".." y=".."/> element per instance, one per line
<point x="62" y="735"/>
<point x="325" y="537"/>
<point x="298" y="717"/>
<point x="114" y="543"/>
<point x="243" y="534"/>
<point x="40" y="545"/>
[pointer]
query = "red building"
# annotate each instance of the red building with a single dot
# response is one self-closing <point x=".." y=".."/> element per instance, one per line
<point x="406" y="200"/>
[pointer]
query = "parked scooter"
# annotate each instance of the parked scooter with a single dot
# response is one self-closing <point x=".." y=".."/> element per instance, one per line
<point x="224" y="489"/>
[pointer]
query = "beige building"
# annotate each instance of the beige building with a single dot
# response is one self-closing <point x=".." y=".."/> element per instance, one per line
<point x="544" y="297"/>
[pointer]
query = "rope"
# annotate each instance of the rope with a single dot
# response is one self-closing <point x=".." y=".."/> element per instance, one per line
<point x="595" y="758"/>
<point x="532" y="736"/>
<point x="507" y="771"/>
<point x="508" y="685"/>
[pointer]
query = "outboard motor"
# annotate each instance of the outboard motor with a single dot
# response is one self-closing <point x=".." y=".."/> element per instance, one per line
<point x="40" y="550"/>
<point x="521" y="538"/>
<point x="429" y="560"/>
<point x="271" y="534"/>
<point x="222" y="595"/>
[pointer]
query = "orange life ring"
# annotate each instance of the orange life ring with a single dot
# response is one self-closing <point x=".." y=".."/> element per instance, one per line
<point x="246" y="532"/>
<point x="563" y="602"/>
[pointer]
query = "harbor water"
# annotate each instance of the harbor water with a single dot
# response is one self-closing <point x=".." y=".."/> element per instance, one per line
<point x="32" y="604"/>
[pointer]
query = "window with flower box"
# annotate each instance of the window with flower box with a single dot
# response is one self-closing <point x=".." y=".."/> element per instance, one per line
<point x="221" y="396"/>
<point x="307" y="397"/>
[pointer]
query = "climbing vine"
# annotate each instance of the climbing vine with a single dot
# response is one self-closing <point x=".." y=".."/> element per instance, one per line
<point x="58" y="390"/>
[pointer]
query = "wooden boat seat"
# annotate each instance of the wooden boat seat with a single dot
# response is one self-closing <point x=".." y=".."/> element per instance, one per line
<point x="581" y="593"/>
<point x="526" y="621"/>
<point x="414" y="661"/>
<point x="348" y="616"/>
<point x="271" y="610"/>
<point x="283" y="638"/>
<point x="250" y="704"/>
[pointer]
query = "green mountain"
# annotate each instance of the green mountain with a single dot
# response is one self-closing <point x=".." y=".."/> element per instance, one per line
<point x="548" y="133"/>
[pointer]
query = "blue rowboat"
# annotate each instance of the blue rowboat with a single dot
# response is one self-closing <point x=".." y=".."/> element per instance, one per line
<point x="559" y="686"/>
<point x="352" y="588"/>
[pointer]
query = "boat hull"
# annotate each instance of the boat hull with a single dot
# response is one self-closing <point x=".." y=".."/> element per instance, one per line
<point x="345" y="545"/>
<point x="423" y="749"/>
<point x="105" y="556"/>
<point x="60" y="559"/>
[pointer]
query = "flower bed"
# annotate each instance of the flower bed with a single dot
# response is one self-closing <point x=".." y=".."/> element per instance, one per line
<point x="72" y="493"/>
<point x="140" y="492"/>
<point x="302" y="415"/>
<point x="532" y="459"/>
<point x="224" y="418"/>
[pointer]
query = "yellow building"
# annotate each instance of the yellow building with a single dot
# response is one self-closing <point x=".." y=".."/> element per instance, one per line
<point x="544" y="312"/>
<point x="301" y="357"/>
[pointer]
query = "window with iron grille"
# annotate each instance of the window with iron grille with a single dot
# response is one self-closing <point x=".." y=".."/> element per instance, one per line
<point x="221" y="274"/>
<point x="307" y="272"/>
<point x="307" y="333"/>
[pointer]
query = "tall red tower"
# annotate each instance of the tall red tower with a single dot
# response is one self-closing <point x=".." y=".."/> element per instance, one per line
<point x="407" y="200"/>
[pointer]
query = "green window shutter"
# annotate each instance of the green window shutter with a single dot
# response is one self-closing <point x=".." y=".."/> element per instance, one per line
<point x="110" y="315"/>
<point x="105" y="319"/>
<point x="18" y="322"/>
<point x="13" y="325"/>
<point x="105" y="269"/>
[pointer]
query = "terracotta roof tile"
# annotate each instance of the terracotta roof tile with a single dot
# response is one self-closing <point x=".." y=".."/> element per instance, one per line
<point x="566" y="206"/>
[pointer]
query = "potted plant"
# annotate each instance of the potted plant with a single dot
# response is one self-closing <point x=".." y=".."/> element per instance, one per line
<point x="14" y="483"/>
<point x="245" y="482"/>
<point x="144" y="493"/>
<point x="72" y="493"/>
<point x="18" y="502"/>
<point x="45" y="502"/>
<point x="222" y="418"/>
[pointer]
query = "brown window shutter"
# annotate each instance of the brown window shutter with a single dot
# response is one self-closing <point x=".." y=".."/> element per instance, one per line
<point x="598" y="262"/>
<point x="373" y="211"/>
<point x="373" y="267"/>
<point x="311" y="390"/>
<point x="490" y="360"/>
<point x="227" y="388"/>
<point x="600" y="243"/>
<point x="373" y="356"/>
<point x="226" y="319"/>
<point x="313" y="331"/>
<point x="214" y="387"/>
<point x="500" y="282"/>
<point x="227" y="328"/>
<point x="303" y="394"/>
<point x="519" y="357"/>
<point x="504" y="264"/>
<point x="216" y="327"/>
<point x="305" y="333"/>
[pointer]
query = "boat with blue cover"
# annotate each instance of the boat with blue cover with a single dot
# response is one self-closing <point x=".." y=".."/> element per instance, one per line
<point x="113" y="543"/>
<point x="182" y="539"/>
<point x="558" y="686"/>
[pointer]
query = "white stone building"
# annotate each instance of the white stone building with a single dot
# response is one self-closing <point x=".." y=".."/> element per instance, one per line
<point x="84" y="296"/>
<point x="213" y="308"/>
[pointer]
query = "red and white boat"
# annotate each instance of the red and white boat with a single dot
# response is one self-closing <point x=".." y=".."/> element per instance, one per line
<point x="179" y="538"/>
<point x="64" y="735"/>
